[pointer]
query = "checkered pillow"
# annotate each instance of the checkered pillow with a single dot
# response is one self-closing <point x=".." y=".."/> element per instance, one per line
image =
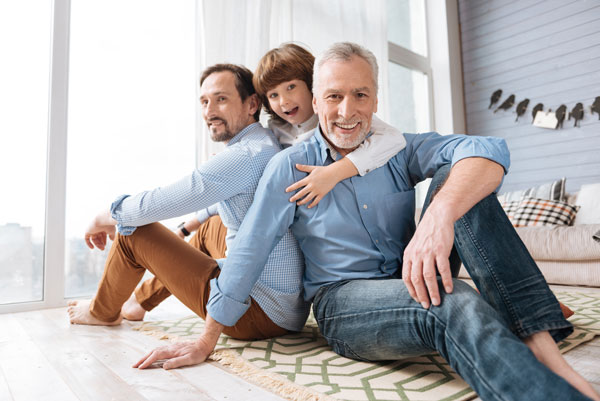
<point x="542" y="212"/>
<point x="510" y="208"/>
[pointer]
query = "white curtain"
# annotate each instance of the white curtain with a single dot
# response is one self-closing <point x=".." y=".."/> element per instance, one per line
<point x="242" y="31"/>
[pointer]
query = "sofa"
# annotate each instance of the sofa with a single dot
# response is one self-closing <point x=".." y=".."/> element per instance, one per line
<point x="565" y="254"/>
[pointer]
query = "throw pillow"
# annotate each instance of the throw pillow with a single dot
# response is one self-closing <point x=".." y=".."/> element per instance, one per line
<point x="552" y="191"/>
<point x="543" y="212"/>
<point x="589" y="200"/>
<point x="510" y="208"/>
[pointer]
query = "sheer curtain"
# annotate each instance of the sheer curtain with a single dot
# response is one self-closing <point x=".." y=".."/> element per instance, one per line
<point x="241" y="31"/>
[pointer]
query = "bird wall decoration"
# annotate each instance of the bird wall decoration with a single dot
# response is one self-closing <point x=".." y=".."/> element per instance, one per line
<point x="507" y="104"/>
<point x="521" y="108"/>
<point x="596" y="107"/>
<point x="495" y="97"/>
<point x="577" y="114"/>
<point x="560" y="114"/>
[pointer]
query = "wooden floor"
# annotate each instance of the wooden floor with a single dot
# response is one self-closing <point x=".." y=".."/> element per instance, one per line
<point x="43" y="357"/>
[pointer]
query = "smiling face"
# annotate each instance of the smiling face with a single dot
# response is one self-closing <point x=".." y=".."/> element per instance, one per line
<point x="222" y="107"/>
<point x="291" y="100"/>
<point x="345" y="100"/>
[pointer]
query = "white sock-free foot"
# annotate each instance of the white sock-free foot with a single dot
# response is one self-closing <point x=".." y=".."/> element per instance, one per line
<point x="132" y="310"/>
<point x="79" y="313"/>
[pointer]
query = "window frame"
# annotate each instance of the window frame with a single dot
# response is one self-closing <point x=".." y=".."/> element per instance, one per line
<point x="56" y="166"/>
<point x="413" y="61"/>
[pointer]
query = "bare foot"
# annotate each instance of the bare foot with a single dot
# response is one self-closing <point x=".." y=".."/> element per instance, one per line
<point x="544" y="348"/>
<point x="132" y="310"/>
<point x="79" y="313"/>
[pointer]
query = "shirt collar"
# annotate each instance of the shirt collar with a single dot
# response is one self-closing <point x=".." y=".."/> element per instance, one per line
<point x="238" y="137"/>
<point x="308" y="124"/>
<point x="326" y="146"/>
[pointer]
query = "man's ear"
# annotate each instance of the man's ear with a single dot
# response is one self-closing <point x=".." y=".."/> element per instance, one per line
<point x="314" y="104"/>
<point x="376" y="103"/>
<point x="253" y="104"/>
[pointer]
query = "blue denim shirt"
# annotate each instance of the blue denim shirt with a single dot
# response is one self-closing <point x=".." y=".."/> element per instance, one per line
<point x="359" y="230"/>
<point x="230" y="179"/>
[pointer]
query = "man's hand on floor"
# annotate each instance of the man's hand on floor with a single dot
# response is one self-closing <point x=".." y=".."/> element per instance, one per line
<point x="177" y="355"/>
<point x="185" y="353"/>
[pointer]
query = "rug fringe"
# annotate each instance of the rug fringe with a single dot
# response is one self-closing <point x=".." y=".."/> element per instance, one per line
<point x="273" y="382"/>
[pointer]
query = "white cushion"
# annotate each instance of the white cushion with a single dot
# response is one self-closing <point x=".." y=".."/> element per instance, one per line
<point x="589" y="200"/>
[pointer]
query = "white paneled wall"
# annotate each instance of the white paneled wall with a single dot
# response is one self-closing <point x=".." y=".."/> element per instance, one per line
<point x="547" y="51"/>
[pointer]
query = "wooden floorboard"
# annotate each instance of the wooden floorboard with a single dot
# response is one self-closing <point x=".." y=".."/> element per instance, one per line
<point x="5" y="394"/>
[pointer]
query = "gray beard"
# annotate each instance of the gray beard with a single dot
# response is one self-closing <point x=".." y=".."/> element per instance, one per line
<point x="344" y="143"/>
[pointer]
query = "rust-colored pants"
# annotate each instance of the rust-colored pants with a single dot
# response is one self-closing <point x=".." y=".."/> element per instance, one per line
<point x="209" y="238"/>
<point x="180" y="268"/>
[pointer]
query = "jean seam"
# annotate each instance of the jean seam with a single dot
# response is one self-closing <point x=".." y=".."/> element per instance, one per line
<point x="501" y="289"/>
<point x="465" y="356"/>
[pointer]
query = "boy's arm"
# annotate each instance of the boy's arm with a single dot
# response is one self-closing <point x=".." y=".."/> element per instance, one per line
<point x="374" y="152"/>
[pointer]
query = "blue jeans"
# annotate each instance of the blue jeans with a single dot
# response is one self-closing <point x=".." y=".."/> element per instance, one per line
<point x="479" y="335"/>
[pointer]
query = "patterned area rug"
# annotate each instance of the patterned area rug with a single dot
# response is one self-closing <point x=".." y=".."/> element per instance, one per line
<point x="303" y="367"/>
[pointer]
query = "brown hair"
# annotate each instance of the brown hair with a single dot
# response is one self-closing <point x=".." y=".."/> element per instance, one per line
<point x="281" y="64"/>
<point x="243" y="80"/>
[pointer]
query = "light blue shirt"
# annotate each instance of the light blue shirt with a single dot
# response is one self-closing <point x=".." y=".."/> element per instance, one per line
<point x="359" y="230"/>
<point x="230" y="179"/>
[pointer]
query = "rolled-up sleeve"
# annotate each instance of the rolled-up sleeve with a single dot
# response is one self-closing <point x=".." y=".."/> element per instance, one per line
<point x="205" y="214"/>
<point x="224" y="309"/>
<point x="426" y="153"/>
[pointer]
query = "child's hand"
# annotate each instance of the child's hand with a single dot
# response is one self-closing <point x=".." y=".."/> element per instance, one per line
<point x="317" y="184"/>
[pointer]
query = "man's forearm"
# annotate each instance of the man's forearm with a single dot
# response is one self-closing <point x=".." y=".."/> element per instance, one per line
<point x="470" y="180"/>
<point x="212" y="331"/>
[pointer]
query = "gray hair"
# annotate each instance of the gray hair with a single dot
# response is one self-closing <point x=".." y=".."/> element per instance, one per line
<point x="343" y="51"/>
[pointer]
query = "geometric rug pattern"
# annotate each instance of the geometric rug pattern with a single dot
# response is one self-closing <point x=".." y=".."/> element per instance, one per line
<point x="302" y="366"/>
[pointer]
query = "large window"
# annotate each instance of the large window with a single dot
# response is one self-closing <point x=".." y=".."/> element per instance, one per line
<point x="132" y="94"/>
<point x="24" y="71"/>
<point x="116" y="116"/>
<point x="409" y="67"/>
<point x="407" y="25"/>
<point x="409" y="71"/>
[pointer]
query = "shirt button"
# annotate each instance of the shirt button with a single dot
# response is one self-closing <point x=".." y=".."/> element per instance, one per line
<point x="377" y="241"/>
<point x="365" y="206"/>
<point x="368" y="170"/>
